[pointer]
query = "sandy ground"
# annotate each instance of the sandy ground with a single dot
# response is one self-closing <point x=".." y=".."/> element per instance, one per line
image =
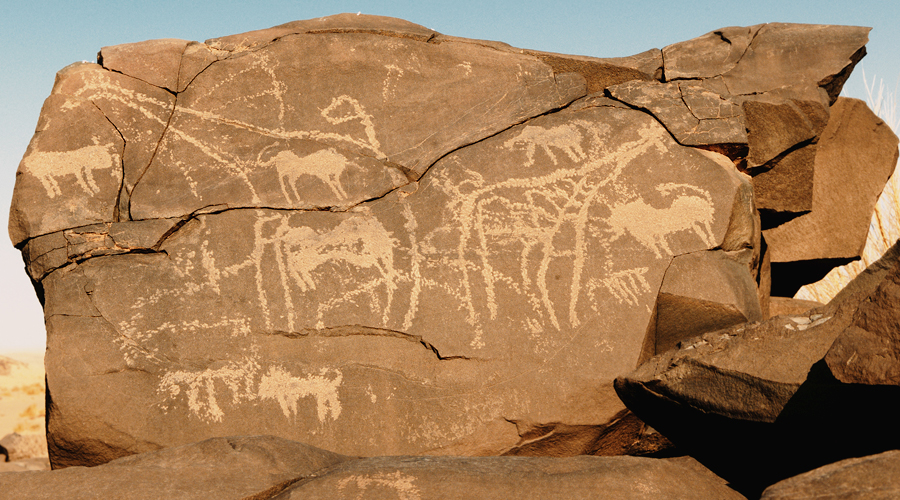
<point x="21" y="393"/>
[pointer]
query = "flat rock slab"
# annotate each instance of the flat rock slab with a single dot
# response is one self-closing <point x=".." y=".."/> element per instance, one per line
<point x="875" y="477"/>
<point x="419" y="478"/>
<point x="226" y="468"/>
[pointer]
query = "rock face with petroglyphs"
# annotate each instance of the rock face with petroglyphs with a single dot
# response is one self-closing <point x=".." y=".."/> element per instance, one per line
<point x="399" y="243"/>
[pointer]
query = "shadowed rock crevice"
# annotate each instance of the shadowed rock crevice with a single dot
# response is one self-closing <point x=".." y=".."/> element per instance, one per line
<point x="125" y="202"/>
<point x="360" y="330"/>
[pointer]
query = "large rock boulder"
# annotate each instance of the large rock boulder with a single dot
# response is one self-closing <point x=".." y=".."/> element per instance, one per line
<point x="875" y="477"/>
<point x="868" y="351"/>
<point x="442" y="245"/>
<point x="402" y="242"/>
<point x="572" y="478"/>
<point x="757" y="403"/>
<point x="226" y="468"/>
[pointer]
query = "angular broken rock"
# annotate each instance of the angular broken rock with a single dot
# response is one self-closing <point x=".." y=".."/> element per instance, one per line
<point x="477" y="282"/>
<point x="756" y="404"/>
<point x="226" y="468"/>
<point x="512" y="477"/>
<point x="848" y="179"/>
<point x="868" y="351"/>
<point x="875" y="477"/>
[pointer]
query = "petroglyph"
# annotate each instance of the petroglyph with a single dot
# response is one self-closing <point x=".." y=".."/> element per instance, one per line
<point x="327" y="165"/>
<point x="200" y="386"/>
<point x="281" y="386"/>
<point x="397" y="483"/>
<point x="302" y="255"/>
<point x="566" y="138"/>
<point x="627" y="286"/>
<point x="81" y="163"/>
<point x="394" y="74"/>
<point x="244" y="382"/>
<point x="651" y="226"/>
<point x="525" y="215"/>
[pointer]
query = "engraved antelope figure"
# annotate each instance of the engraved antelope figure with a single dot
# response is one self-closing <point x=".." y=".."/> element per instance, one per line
<point x="651" y="226"/>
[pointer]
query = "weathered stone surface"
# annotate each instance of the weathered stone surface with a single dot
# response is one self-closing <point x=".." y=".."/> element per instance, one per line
<point x="801" y="57"/>
<point x="788" y="306"/>
<point x="156" y="62"/>
<point x="875" y="477"/>
<point x="487" y="293"/>
<point x="354" y="123"/>
<point x="409" y="243"/>
<point x="232" y="467"/>
<point x="787" y="188"/>
<point x="50" y="252"/>
<point x="600" y="74"/>
<point x="774" y="128"/>
<point x="848" y="180"/>
<point x="512" y="477"/>
<point x="868" y="351"/>
<point x="867" y="281"/>
<point x="704" y="292"/>
<point x="71" y="173"/>
<point x="695" y="115"/>
<point x="708" y="56"/>
<point x="339" y="23"/>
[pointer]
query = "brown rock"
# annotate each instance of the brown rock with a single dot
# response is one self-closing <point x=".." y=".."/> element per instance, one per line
<point x="512" y="477"/>
<point x="156" y="62"/>
<point x="789" y="306"/>
<point x="339" y="23"/>
<point x="848" y="180"/>
<point x="701" y="293"/>
<point x="233" y="467"/>
<point x="369" y="312"/>
<point x="875" y="477"/>
<point x="757" y="404"/>
<point x="801" y="57"/>
<point x="693" y="114"/>
<point x="786" y="188"/>
<point x="707" y="56"/>
<point x="353" y="117"/>
<point x="775" y="128"/>
<point x="867" y="281"/>
<point x="868" y="352"/>
<point x="71" y="173"/>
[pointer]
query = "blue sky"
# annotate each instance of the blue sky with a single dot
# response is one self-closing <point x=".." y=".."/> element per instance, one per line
<point x="41" y="37"/>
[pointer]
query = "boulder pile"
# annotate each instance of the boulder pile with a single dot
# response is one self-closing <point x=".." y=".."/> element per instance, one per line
<point x="450" y="255"/>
